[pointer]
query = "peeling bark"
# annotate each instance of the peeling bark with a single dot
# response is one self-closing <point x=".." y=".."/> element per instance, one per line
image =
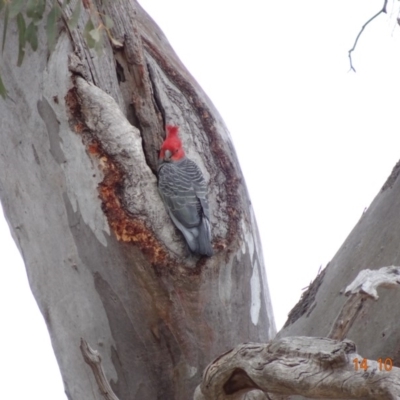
<point x="364" y="287"/>
<point x="368" y="281"/>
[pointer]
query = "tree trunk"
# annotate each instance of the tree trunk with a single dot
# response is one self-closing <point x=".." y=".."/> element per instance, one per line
<point x="373" y="243"/>
<point x="79" y="139"/>
<point x="371" y="321"/>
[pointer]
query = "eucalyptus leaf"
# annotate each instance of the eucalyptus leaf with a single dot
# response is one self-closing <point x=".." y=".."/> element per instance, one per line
<point x="109" y="22"/>
<point x="98" y="47"/>
<point x="31" y="8"/>
<point x="51" y="27"/>
<point x="89" y="39"/>
<point x="35" y="9"/>
<point x="31" y="35"/>
<point x="73" y="21"/>
<point x="95" y="34"/>
<point x="21" y="38"/>
<point x="3" y="90"/>
<point x="15" y="7"/>
<point x="40" y="8"/>
<point x="6" y="14"/>
<point x="58" y="10"/>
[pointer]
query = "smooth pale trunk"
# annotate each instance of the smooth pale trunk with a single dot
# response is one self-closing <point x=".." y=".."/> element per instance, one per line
<point x="79" y="139"/>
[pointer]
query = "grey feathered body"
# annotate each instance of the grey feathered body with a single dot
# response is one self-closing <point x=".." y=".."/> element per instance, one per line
<point x="184" y="193"/>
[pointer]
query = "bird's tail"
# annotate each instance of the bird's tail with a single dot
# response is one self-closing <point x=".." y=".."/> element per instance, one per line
<point x="204" y="238"/>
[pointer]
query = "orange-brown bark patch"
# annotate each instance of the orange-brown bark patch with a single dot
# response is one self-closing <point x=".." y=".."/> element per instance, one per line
<point x="125" y="226"/>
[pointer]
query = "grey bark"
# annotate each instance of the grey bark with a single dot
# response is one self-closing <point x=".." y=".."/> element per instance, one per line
<point x="372" y="325"/>
<point x="79" y="139"/>
<point x="372" y="244"/>
<point x="314" y="367"/>
<point x="323" y="368"/>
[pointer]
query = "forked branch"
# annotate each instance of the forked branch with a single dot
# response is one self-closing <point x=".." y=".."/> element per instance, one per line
<point x="307" y="366"/>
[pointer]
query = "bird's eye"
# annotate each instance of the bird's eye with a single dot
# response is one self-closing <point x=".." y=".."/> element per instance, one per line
<point x="176" y="150"/>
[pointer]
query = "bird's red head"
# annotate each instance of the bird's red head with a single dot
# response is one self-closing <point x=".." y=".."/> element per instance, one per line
<point x="171" y="149"/>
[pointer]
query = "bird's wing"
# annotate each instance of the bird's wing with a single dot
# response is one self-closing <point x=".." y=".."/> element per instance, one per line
<point x="200" y="189"/>
<point x="178" y="193"/>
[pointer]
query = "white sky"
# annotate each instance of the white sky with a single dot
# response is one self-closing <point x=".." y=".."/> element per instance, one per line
<point x="315" y="142"/>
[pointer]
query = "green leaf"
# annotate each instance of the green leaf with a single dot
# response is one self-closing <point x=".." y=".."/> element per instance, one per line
<point x="31" y="8"/>
<point x="3" y="90"/>
<point x="98" y="47"/>
<point x="73" y="22"/>
<point x="6" y="13"/>
<point x="95" y="34"/>
<point x="21" y="38"/>
<point x="109" y="22"/>
<point x="35" y="9"/>
<point x="58" y="10"/>
<point x="89" y="39"/>
<point x="15" y="7"/>
<point x="31" y="35"/>
<point x="40" y="8"/>
<point x="51" y="27"/>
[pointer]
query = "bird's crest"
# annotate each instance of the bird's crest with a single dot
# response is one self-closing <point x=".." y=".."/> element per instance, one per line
<point x="172" y="131"/>
<point x="173" y="144"/>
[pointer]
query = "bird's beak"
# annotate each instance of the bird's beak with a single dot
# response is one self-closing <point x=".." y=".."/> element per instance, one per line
<point x="167" y="155"/>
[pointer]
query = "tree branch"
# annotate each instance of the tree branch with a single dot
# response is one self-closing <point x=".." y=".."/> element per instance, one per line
<point x="92" y="357"/>
<point x="310" y="367"/>
<point x="383" y="10"/>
